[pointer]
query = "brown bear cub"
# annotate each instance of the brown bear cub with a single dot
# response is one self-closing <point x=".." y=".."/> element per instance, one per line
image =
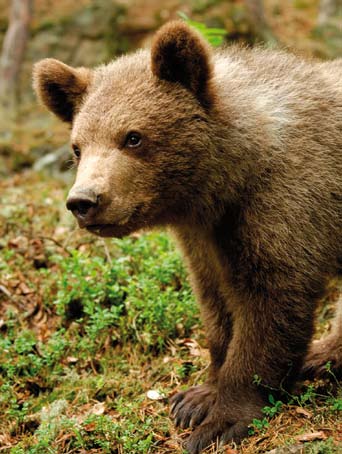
<point x="239" y="152"/>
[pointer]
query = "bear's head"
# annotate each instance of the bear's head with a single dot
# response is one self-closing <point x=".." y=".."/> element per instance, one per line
<point x="141" y="131"/>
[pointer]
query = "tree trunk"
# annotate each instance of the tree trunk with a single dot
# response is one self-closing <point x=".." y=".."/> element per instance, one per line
<point x="257" y="19"/>
<point x="12" y="56"/>
<point x="328" y="10"/>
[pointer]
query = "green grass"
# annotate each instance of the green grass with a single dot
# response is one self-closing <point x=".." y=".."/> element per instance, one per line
<point x="90" y="327"/>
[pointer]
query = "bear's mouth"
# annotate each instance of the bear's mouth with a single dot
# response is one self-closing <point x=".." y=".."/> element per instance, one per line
<point x="125" y="226"/>
<point x="108" y="230"/>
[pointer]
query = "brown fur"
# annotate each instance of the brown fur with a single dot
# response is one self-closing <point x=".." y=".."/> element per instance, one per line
<point x="170" y="60"/>
<point x="61" y="87"/>
<point x="241" y="155"/>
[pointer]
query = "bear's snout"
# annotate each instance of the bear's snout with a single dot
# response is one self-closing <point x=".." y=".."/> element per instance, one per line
<point x="83" y="204"/>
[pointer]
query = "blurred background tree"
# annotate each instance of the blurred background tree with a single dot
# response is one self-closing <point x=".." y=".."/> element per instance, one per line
<point x="329" y="10"/>
<point x="258" y="22"/>
<point x="12" y="56"/>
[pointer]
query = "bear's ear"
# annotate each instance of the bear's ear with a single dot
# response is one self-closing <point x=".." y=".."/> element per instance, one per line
<point x="179" y="54"/>
<point x="60" y="87"/>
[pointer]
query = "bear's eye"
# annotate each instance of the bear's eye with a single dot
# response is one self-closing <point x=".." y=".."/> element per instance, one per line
<point x="77" y="151"/>
<point x="133" y="140"/>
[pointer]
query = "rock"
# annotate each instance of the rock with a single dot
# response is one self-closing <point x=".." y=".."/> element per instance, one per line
<point x="91" y="37"/>
<point x="57" y="163"/>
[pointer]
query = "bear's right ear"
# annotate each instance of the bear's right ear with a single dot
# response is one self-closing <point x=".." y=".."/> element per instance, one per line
<point x="180" y="54"/>
<point x="60" y="87"/>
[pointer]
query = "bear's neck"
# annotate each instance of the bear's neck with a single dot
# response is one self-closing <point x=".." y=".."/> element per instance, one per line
<point x="237" y="166"/>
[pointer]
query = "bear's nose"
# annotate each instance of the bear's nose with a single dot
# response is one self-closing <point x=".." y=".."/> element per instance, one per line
<point x="81" y="202"/>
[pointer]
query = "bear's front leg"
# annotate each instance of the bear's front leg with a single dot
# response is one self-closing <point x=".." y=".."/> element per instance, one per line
<point x="267" y="343"/>
<point x="189" y="408"/>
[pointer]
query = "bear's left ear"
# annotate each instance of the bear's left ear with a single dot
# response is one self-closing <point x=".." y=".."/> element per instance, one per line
<point x="180" y="54"/>
<point x="60" y="87"/>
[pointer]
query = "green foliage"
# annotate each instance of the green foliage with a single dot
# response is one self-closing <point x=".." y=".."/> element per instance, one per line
<point x="257" y="380"/>
<point x="323" y="447"/>
<point x="274" y="409"/>
<point x="142" y="296"/>
<point x="215" y="36"/>
<point x="185" y="369"/>
<point x="258" y="425"/>
<point x="102" y="433"/>
<point x="335" y="404"/>
<point x="308" y="396"/>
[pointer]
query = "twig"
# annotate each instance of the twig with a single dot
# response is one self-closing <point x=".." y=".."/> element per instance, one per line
<point x="57" y="243"/>
<point x="4" y="290"/>
<point x="66" y="242"/>
<point x="108" y="256"/>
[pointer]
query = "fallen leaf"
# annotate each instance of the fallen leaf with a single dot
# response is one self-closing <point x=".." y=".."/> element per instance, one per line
<point x="71" y="359"/>
<point x="20" y="242"/>
<point x="301" y="411"/>
<point x="194" y="348"/>
<point x="24" y="289"/>
<point x="4" y="290"/>
<point x="90" y="427"/>
<point x="98" y="409"/>
<point x="172" y="444"/>
<point x="294" y="449"/>
<point x="311" y="436"/>
<point x="61" y="231"/>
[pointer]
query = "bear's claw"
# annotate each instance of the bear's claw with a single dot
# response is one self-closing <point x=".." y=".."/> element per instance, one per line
<point x="189" y="408"/>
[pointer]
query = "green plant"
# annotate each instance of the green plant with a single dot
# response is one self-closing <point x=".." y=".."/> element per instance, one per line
<point x="259" y="425"/>
<point x="307" y="397"/>
<point x="142" y="296"/>
<point x="215" y="36"/>
<point x="274" y="409"/>
<point x="323" y="447"/>
<point x="335" y="404"/>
